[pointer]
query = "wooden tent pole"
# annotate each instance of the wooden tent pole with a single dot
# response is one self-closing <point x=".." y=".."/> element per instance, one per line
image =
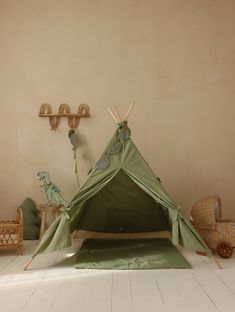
<point x="129" y="110"/>
<point x="119" y="117"/>
<point x="112" y="114"/>
<point x="28" y="263"/>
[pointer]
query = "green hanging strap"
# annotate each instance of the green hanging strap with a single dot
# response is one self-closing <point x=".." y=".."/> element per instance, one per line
<point x="76" y="167"/>
<point x="74" y="141"/>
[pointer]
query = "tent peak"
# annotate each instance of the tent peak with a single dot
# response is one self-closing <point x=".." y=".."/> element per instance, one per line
<point x="117" y="117"/>
<point x="124" y="131"/>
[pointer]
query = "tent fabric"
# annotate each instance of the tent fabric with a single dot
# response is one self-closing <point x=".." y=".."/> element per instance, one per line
<point x="121" y="194"/>
<point x="114" y="209"/>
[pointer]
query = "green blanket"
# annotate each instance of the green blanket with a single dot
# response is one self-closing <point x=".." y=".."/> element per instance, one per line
<point x="130" y="254"/>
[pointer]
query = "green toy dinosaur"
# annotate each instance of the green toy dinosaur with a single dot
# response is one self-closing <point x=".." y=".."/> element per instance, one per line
<point x="53" y="192"/>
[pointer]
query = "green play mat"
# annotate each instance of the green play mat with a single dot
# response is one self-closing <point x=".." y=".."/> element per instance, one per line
<point x="130" y="254"/>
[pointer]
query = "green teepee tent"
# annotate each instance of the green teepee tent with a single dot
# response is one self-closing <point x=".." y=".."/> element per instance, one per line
<point x="121" y="194"/>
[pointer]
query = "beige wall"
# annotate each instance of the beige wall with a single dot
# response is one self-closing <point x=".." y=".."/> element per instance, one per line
<point x="174" y="58"/>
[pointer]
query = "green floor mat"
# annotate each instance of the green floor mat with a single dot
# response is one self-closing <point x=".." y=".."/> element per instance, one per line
<point x="130" y="254"/>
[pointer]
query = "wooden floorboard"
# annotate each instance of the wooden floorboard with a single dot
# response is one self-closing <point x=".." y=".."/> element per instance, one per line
<point x="208" y="278"/>
<point x="121" y="292"/>
<point x="144" y="289"/>
<point x="53" y="285"/>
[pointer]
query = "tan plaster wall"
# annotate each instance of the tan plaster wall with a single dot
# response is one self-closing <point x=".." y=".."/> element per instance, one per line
<point x="174" y="58"/>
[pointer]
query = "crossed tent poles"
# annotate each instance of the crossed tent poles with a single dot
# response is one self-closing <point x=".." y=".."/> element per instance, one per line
<point x="117" y="117"/>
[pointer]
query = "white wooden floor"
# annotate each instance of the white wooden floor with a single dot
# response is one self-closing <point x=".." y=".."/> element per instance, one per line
<point x="62" y="288"/>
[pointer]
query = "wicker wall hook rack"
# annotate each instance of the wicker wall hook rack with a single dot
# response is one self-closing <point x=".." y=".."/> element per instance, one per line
<point x="64" y="111"/>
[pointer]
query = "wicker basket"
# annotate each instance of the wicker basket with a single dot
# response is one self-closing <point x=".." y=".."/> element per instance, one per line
<point x="218" y="234"/>
<point x="11" y="233"/>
